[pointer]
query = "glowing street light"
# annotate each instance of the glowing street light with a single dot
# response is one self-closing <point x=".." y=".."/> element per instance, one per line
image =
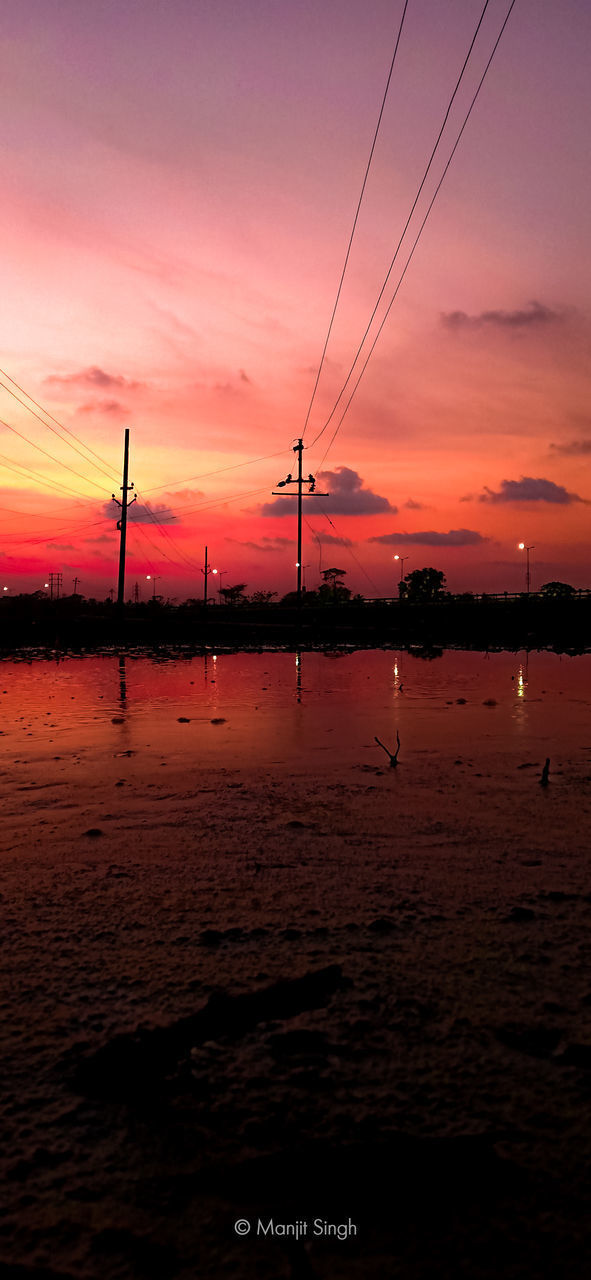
<point x="153" y="577"/>
<point x="523" y="547"/>
<point x="220" y="573"/>
<point x="402" y="559"/>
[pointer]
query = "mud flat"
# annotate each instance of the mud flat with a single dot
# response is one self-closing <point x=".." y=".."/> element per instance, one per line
<point x="356" y="996"/>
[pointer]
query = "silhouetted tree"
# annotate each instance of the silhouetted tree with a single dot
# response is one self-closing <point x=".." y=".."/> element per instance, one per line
<point x="333" y="588"/>
<point x="423" y="585"/>
<point x="557" y="590"/>
<point x="262" y="597"/>
<point x="234" y="594"/>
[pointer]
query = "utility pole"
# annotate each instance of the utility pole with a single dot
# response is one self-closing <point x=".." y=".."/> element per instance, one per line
<point x="205" y="571"/>
<point x="122" y="523"/>
<point x="55" y="581"/>
<point x="136" y="593"/>
<point x="311" y="493"/>
<point x="75" y="581"/>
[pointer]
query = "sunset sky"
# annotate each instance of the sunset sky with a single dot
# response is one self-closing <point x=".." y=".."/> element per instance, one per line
<point x="180" y="179"/>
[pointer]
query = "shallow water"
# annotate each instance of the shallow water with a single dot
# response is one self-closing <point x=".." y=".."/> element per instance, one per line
<point x="305" y="712"/>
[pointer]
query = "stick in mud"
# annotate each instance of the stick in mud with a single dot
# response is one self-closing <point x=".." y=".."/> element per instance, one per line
<point x="393" y="758"/>
<point x="545" y="772"/>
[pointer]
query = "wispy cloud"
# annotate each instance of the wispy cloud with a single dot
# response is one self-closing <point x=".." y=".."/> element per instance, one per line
<point x="93" y="376"/>
<point x="113" y="407"/>
<point x="536" y="315"/>
<point x="265" y="544"/>
<point x="431" y="538"/>
<point x="347" y="496"/>
<point x="573" y="448"/>
<point x="530" y="489"/>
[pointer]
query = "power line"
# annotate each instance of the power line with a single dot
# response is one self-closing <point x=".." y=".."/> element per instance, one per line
<point x="39" y="449"/>
<point x="20" y="469"/>
<point x="350" y="551"/>
<point x="206" y="474"/>
<point x="406" y="225"/>
<point x="54" y="419"/>
<point x="356" y="218"/>
<point x="416" y="241"/>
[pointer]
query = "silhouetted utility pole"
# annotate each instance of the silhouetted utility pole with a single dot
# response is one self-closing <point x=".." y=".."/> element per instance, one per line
<point x="206" y="572"/>
<point x="299" y="480"/>
<point x="75" y="581"/>
<point x="136" y="592"/>
<point x="55" y="582"/>
<point x="122" y="523"/>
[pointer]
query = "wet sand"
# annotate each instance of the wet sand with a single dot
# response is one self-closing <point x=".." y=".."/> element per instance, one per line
<point x="429" y="1082"/>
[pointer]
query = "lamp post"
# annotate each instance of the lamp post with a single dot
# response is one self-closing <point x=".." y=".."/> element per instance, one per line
<point x="153" y="577"/>
<point x="303" y="568"/>
<point x="523" y="547"/>
<point x="220" y="573"/>
<point x="402" y="559"/>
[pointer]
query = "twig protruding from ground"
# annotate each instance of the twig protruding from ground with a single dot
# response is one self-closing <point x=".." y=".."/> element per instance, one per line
<point x="393" y="757"/>
<point x="545" y="772"/>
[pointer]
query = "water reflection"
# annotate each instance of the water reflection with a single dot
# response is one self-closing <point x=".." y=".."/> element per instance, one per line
<point x="298" y="666"/>
<point x="122" y="681"/>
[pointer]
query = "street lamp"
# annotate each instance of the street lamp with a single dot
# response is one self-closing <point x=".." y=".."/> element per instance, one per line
<point x="220" y="573"/>
<point x="402" y="559"/>
<point x="303" y="568"/>
<point x="522" y="547"/>
<point x="153" y="577"/>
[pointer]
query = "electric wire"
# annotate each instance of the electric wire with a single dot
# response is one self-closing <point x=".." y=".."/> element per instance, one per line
<point x="56" y="485"/>
<point x="416" y="241"/>
<point x="59" y="463"/>
<point x="53" y="419"/>
<point x="206" y="474"/>
<point x="405" y="229"/>
<point x="355" y="219"/>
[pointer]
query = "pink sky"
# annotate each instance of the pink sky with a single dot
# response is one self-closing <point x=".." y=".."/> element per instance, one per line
<point x="179" y="185"/>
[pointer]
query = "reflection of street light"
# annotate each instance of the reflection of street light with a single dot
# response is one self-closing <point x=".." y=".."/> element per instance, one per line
<point x="402" y="559"/>
<point x="522" y="547"/>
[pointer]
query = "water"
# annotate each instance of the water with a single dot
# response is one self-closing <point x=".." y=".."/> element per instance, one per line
<point x="301" y="712"/>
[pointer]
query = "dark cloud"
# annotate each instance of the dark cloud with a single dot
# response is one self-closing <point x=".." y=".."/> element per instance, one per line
<point x="103" y="406"/>
<point x="92" y="377"/>
<point x="414" y="506"/>
<point x="61" y="546"/>
<point x="454" y="538"/>
<point x="329" y="540"/>
<point x="529" y="489"/>
<point x="102" y="537"/>
<point x="574" y="448"/>
<point x="137" y="513"/>
<point x="347" y="497"/>
<point x="535" y="315"/>
<point x="266" y="544"/>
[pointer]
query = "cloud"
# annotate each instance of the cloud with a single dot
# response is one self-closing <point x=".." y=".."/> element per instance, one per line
<point x="92" y="377"/>
<point x="138" y="513"/>
<point x="414" y="506"/>
<point x="266" y="544"/>
<point x="329" y="540"/>
<point x="61" y="546"/>
<point x="573" y="448"/>
<point x="102" y="537"/>
<point x="347" y="497"/>
<point x="536" y="315"/>
<point x="454" y="538"/>
<point x="103" y="406"/>
<point x="529" y="489"/>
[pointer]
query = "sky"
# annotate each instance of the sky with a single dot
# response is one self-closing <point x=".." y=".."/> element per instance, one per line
<point x="180" y="180"/>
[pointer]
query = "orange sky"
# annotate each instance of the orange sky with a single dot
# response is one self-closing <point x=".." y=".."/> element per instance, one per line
<point x="179" y="188"/>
